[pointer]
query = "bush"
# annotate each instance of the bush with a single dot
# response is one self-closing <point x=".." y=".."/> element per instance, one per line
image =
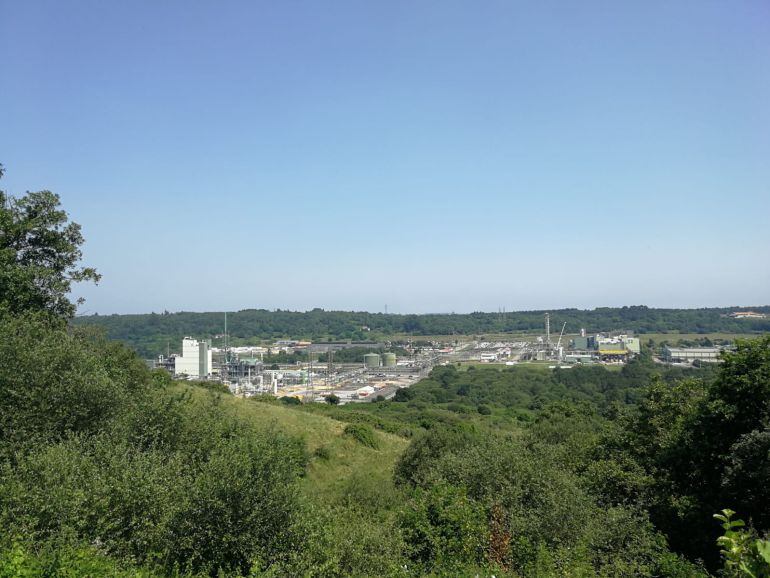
<point x="60" y="383"/>
<point x="446" y="532"/>
<point x="204" y="492"/>
<point x="404" y="394"/>
<point x="322" y="453"/>
<point x="363" y="434"/>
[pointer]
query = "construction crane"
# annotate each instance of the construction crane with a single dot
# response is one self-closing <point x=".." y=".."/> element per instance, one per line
<point x="558" y="343"/>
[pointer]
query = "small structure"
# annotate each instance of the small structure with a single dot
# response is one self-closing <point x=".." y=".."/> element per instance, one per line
<point x="690" y="354"/>
<point x="583" y="357"/>
<point x="747" y="315"/>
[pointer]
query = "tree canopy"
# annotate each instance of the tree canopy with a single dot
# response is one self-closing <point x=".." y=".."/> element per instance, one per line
<point x="40" y="253"/>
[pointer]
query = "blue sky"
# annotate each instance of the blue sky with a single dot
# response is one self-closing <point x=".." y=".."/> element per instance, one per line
<point x="431" y="156"/>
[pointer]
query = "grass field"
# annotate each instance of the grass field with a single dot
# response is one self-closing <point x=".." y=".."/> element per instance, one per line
<point x="656" y="337"/>
<point x="673" y="337"/>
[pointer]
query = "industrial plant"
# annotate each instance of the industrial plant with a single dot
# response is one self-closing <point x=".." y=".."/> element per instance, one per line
<point x="377" y="372"/>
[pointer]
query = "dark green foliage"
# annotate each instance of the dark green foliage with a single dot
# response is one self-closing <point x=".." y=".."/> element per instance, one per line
<point x="513" y="395"/>
<point x="524" y="497"/>
<point x="697" y="445"/>
<point x="96" y="449"/>
<point x="54" y="383"/>
<point x="362" y="433"/>
<point x="415" y="465"/>
<point x="39" y="255"/>
<point x="223" y="507"/>
<point x="239" y="507"/>
<point x="149" y="333"/>
<point x="404" y="394"/>
<point x="444" y="530"/>
<point x="332" y="399"/>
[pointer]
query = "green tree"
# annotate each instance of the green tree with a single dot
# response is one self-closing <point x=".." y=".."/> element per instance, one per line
<point x="39" y="255"/>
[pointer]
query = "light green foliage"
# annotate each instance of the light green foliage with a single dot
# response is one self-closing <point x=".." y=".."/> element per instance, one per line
<point x="744" y="554"/>
<point x="83" y="562"/>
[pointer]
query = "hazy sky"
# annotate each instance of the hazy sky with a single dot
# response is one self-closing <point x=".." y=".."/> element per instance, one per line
<point x="431" y="156"/>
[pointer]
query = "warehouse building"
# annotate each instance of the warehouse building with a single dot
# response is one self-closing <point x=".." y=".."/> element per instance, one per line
<point x="690" y="354"/>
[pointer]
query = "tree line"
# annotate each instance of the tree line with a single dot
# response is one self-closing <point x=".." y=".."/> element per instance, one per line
<point x="151" y="333"/>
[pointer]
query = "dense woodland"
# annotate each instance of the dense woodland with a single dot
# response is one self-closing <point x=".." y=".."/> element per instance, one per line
<point x="152" y="333"/>
<point x="110" y="469"/>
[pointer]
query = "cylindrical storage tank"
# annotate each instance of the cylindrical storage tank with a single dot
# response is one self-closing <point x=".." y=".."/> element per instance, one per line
<point x="371" y="360"/>
<point x="389" y="360"/>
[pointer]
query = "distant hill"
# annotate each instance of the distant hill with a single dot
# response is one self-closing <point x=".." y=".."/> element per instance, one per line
<point x="151" y="333"/>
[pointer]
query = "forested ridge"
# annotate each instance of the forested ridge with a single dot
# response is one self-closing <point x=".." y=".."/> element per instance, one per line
<point x="110" y="469"/>
<point x="150" y="333"/>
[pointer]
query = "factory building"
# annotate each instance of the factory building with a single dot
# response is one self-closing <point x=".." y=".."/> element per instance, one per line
<point x="195" y="360"/>
<point x="614" y="348"/>
<point x="613" y="351"/>
<point x="632" y="344"/>
<point x="579" y="358"/>
<point x="690" y="354"/>
<point x="581" y="343"/>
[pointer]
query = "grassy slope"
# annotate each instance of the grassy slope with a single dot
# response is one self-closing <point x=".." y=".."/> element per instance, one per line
<point x="348" y="459"/>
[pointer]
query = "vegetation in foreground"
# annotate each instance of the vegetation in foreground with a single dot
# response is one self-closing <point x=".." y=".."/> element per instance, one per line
<point x="107" y="468"/>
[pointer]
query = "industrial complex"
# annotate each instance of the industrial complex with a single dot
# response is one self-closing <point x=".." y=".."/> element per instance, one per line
<point x="379" y="372"/>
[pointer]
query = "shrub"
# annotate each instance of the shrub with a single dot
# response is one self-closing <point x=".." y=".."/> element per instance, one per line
<point x="60" y="383"/>
<point x="404" y="394"/>
<point x="445" y="530"/>
<point x="363" y="434"/>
